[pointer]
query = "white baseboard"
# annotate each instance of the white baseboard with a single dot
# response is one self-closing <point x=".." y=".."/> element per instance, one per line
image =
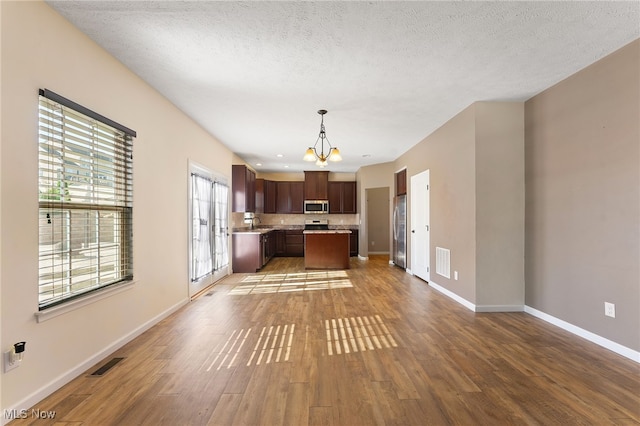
<point x="499" y="308"/>
<point x="452" y="295"/>
<point x="592" y="337"/>
<point x="363" y="257"/>
<point x="68" y="376"/>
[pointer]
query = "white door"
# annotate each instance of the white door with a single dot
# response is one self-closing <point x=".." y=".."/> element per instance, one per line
<point x="420" y="225"/>
<point x="208" y="230"/>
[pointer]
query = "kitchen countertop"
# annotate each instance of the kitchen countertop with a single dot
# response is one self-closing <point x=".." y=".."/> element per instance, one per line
<point x="328" y="231"/>
<point x="266" y="229"/>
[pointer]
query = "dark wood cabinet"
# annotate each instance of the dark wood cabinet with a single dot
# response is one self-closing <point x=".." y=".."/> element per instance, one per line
<point x="269" y="196"/>
<point x="289" y="197"/>
<point x="246" y="252"/>
<point x="252" y="250"/>
<point x="283" y="197"/>
<point x="353" y="243"/>
<point x="316" y="185"/>
<point x="335" y="197"/>
<point x="281" y="247"/>
<point x="265" y="196"/>
<point x="294" y="242"/>
<point x="349" y="201"/>
<point x="401" y="182"/>
<point x="259" y="195"/>
<point x="342" y="197"/>
<point x="297" y="197"/>
<point x="326" y="250"/>
<point x="243" y="188"/>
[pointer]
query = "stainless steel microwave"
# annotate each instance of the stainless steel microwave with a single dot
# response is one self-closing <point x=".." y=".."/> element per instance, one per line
<point x="316" y="206"/>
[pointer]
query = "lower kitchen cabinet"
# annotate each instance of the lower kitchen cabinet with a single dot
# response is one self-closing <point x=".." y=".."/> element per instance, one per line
<point x="252" y="250"/>
<point x="281" y="248"/>
<point x="353" y="243"/>
<point x="294" y="243"/>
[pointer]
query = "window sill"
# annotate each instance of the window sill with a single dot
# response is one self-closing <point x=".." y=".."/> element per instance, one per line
<point x="90" y="298"/>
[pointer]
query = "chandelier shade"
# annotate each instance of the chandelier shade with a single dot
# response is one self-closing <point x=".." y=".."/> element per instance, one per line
<point x="330" y="154"/>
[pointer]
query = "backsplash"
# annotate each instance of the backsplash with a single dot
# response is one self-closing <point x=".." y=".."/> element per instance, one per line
<point x="276" y="220"/>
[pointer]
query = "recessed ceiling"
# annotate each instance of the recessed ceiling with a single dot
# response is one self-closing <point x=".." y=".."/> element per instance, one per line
<point x="254" y="74"/>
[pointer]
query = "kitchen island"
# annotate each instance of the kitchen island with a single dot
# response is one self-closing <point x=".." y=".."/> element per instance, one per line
<point x="326" y="249"/>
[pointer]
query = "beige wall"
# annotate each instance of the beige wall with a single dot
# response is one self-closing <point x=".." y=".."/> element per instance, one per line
<point x="499" y="205"/>
<point x="42" y="50"/>
<point x="476" y="174"/>
<point x="449" y="155"/>
<point x="378" y="220"/>
<point x="583" y="198"/>
<point x="375" y="176"/>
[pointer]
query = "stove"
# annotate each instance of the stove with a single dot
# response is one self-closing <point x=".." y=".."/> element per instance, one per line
<point x="316" y="225"/>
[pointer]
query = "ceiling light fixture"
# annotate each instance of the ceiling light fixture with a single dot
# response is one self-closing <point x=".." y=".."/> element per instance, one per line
<point x="332" y="153"/>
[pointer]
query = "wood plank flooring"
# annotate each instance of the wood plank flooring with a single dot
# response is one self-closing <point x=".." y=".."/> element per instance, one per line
<point x="368" y="346"/>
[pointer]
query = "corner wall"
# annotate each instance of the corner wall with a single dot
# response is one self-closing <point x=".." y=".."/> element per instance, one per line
<point x="499" y="206"/>
<point x="582" y="155"/>
<point x="40" y="49"/>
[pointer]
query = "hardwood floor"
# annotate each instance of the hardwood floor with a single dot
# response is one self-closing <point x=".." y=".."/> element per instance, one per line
<point x="370" y="345"/>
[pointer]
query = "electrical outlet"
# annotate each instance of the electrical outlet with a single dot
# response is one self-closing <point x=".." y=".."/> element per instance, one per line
<point x="9" y="362"/>
<point x="455" y="275"/>
<point x="610" y="309"/>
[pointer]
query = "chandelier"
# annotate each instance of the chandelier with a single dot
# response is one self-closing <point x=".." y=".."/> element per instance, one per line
<point x="332" y="153"/>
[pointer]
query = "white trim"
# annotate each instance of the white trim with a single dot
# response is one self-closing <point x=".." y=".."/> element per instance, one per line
<point x="75" y="372"/>
<point x="82" y="301"/>
<point x="408" y="271"/>
<point x="592" y="337"/>
<point x="499" y="308"/>
<point x="460" y="300"/>
<point x="363" y="257"/>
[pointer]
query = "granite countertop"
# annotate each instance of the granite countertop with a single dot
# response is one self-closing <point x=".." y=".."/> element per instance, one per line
<point x="252" y="231"/>
<point x="266" y="229"/>
<point x="328" y="231"/>
<point x="263" y="229"/>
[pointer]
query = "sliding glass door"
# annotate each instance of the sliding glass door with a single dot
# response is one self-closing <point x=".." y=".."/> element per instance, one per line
<point x="208" y="229"/>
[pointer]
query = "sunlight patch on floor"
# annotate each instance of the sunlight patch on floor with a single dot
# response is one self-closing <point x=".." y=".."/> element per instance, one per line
<point x="345" y="335"/>
<point x="292" y="282"/>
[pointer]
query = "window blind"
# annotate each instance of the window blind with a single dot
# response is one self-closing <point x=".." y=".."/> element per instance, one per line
<point x="85" y="201"/>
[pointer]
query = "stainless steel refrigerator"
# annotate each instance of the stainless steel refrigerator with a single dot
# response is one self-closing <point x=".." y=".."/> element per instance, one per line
<point x="400" y="231"/>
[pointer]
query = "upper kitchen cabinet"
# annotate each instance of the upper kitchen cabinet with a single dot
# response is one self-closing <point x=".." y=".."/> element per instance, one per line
<point x="316" y="185"/>
<point x="289" y="197"/>
<point x="243" y="187"/>
<point x="401" y="182"/>
<point x="265" y="196"/>
<point x="342" y="197"/>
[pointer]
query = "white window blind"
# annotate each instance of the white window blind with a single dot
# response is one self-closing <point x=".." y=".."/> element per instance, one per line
<point x="85" y="201"/>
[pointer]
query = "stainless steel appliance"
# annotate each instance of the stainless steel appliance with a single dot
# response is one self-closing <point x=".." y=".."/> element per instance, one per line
<point x="316" y="225"/>
<point x="400" y="231"/>
<point x="316" y="206"/>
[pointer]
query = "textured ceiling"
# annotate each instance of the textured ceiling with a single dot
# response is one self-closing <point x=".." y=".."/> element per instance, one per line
<point x="254" y="74"/>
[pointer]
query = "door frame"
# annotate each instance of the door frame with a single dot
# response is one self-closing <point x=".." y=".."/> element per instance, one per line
<point x="196" y="287"/>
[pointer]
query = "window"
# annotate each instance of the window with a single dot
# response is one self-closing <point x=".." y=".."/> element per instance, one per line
<point x="85" y="201"/>
<point x="208" y="207"/>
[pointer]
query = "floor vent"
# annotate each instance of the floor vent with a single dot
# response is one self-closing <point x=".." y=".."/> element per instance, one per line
<point x="108" y="366"/>
<point x="443" y="262"/>
<point x="209" y="294"/>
